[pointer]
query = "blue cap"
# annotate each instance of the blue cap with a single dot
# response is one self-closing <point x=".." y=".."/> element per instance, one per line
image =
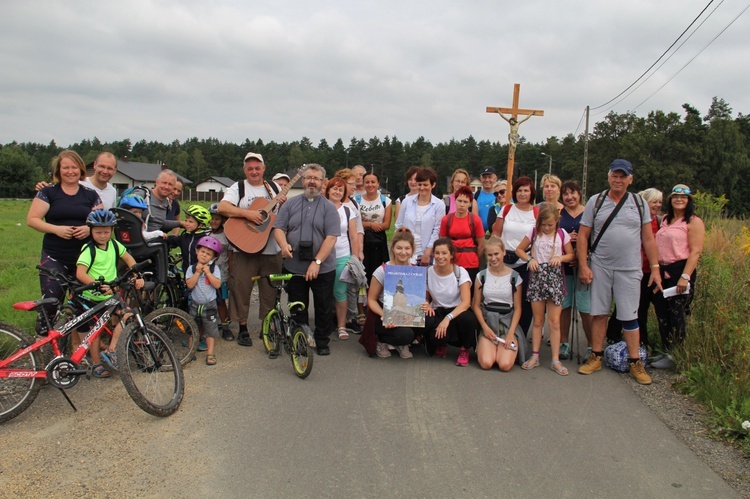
<point x="622" y="165"/>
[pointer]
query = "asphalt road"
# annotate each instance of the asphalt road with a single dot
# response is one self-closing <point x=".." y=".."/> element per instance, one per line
<point x="357" y="427"/>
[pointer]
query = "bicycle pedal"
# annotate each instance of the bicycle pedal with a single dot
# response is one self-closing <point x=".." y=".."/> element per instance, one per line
<point x="273" y="355"/>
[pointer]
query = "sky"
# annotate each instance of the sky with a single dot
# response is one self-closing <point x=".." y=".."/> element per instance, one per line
<point x="280" y="70"/>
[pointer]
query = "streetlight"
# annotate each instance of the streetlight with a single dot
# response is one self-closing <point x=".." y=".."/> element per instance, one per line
<point x="550" y="162"/>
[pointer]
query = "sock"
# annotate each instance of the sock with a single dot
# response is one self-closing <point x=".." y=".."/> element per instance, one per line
<point x="598" y="354"/>
<point x="633" y="361"/>
<point x="243" y="327"/>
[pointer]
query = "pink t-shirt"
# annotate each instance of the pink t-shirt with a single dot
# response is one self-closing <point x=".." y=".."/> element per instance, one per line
<point x="672" y="241"/>
<point x="545" y="247"/>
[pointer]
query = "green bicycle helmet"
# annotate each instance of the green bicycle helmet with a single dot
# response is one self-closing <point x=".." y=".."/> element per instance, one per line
<point x="199" y="213"/>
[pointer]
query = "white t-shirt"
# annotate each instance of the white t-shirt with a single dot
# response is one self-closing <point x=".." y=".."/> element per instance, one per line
<point x="342" y="242"/>
<point x="418" y="249"/>
<point x="108" y="194"/>
<point x="496" y="289"/>
<point x="516" y="226"/>
<point x="379" y="274"/>
<point x="444" y="290"/>
<point x="373" y="211"/>
<point x="545" y="247"/>
<point x="232" y="195"/>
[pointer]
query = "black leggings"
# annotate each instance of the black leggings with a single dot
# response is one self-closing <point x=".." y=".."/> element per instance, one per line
<point x="51" y="288"/>
<point x="672" y="312"/>
<point x="461" y="331"/>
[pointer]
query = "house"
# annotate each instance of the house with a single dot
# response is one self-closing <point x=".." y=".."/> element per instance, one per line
<point x="214" y="184"/>
<point x="132" y="173"/>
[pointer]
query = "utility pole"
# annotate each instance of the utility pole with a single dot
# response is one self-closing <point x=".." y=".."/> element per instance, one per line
<point x="584" y="181"/>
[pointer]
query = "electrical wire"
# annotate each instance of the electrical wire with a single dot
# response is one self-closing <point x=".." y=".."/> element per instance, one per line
<point x="657" y="60"/>
<point x="694" y="57"/>
<point x="575" y="134"/>
<point x="663" y="62"/>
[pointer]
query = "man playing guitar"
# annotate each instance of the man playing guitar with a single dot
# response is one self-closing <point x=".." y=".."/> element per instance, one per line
<point x="244" y="265"/>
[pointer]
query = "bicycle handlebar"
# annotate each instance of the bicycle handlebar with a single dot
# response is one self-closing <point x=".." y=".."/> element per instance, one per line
<point x="273" y="277"/>
<point x="56" y="274"/>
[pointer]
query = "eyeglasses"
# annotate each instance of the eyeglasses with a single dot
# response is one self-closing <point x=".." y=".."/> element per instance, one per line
<point x="312" y="179"/>
<point x="681" y="190"/>
<point x="500" y="192"/>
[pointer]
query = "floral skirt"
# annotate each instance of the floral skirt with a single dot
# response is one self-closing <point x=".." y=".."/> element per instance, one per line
<point x="546" y="283"/>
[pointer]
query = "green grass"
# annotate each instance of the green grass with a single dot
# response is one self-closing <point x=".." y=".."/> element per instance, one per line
<point x="20" y="250"/>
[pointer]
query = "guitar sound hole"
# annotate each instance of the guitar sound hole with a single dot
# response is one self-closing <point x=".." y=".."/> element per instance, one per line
<point x="264" y="214"/>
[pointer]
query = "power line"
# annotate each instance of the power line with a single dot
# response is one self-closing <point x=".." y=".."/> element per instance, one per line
<point x="575" y="134"/>
<point x="663" y="62"/>
<point x="657" y="60"/>
<point x="694" y="57"/>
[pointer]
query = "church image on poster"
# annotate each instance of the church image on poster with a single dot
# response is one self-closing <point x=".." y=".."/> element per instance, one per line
<point x="404" y="292"/>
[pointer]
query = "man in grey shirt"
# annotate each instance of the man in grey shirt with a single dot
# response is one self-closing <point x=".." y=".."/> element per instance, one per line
<point x="615" y="264"/>
<point x="306" y="229"/>
<point x="159" y="203"/>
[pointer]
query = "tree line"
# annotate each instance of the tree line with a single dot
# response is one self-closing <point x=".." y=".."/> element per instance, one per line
<point x="710" y="153"/>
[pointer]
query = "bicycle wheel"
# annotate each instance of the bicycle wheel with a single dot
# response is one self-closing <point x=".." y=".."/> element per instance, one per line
<point x="272" y="330"/>
<point x="302" y="354"/>
<point x="162" y="295"/>
<point x="180" y="328"/>
<point x="150" y="370"/>
<point x="17" y="394"/>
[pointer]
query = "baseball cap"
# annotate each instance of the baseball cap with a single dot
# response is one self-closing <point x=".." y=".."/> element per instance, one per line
<point x="254" y="155"/>
<point x="622" y="165"/>
<point x="281" y="175"/>
<point x="488" y="170"/>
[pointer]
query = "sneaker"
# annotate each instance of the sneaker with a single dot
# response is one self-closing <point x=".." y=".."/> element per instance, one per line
<point x="593" y="364"/>
<point x="666" y="362"/>
<point x="463" y="358"/>
<point x="226" y="333"/>
<point x="382" y="351"/>
<point x="564" y="351"/>
<point x="441" y="351"/>
<point x="202" y="347"/>
<point x="404" y="352"/>
<point x="353" y="327"/>
<point x="638" y="372"/>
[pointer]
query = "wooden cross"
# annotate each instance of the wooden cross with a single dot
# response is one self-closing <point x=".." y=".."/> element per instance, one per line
<point x="513" y="136"/>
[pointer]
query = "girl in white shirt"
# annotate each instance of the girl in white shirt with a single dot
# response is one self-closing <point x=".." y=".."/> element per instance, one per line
<point x="448" y="316"/>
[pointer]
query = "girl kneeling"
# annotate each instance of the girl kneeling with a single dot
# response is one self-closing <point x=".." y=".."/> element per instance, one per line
<point x="497" y="307"/>
<point x="448" y="317"/>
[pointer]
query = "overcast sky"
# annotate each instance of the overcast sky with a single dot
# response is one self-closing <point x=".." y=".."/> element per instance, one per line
<point x="279" y="70"/>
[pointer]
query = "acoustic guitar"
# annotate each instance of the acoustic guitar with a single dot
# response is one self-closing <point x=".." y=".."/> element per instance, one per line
<point x="248" y="236"/>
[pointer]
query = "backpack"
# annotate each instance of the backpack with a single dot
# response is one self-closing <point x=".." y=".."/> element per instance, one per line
<point x="506" y="210"/>
<point x="358" y="200"/>
<point x="616" y="357"/>
<point x="471" y="225"/>
<point x="92" y="251"/>
<point x="513" y="278"/>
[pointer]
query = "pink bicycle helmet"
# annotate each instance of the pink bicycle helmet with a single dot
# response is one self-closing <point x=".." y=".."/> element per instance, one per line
<point x="211" y="243"/>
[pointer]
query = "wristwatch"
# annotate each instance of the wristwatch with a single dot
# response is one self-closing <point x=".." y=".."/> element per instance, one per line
<point x="685" y="276"/>
<point x="317" y="260"/>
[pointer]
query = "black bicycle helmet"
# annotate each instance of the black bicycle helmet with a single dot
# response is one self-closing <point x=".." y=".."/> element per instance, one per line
<point x="101" y="218"/>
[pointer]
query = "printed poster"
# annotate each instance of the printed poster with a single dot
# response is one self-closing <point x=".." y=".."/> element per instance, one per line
<point x="404" y="292"/>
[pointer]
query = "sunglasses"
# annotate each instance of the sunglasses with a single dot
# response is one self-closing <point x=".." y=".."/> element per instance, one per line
<point x="681" y="190"/>
<point x="500" y="192"/>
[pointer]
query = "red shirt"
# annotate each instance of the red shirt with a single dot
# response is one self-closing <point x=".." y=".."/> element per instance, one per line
<point x="460" y="234"/>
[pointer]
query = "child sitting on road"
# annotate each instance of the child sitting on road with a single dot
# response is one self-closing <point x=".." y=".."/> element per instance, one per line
<point x="203" y="279"/>
<point x="135" y="204"/>
<point x="98" y="258"/>
<point x="217" y="231"/>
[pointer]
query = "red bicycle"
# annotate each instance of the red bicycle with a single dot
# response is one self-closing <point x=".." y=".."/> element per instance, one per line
<point x="148" y="365"/>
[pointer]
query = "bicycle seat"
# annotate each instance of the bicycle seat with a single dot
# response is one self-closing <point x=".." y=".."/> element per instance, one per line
<point x="28" y="306"/>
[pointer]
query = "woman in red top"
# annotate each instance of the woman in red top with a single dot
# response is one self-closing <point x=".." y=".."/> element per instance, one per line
<point x="466" y="232"/>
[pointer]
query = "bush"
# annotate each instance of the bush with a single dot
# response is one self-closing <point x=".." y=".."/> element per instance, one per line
<point x="714" y="357"/>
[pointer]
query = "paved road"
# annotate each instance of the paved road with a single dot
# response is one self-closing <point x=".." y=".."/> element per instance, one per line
<point x="358" y="426"/>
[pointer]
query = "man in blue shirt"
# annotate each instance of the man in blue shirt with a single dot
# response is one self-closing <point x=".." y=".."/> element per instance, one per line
<point x="486" y="196"/>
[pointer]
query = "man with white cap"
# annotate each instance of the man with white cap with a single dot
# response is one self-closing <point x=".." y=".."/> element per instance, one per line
<point x="611" y="262"/>
<point x="235" y="203"/>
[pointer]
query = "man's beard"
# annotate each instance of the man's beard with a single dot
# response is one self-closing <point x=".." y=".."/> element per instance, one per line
<point x="311" y="192"/>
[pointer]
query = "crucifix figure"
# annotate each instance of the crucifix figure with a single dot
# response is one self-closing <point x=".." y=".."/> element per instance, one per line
<point x="512" y="119"/>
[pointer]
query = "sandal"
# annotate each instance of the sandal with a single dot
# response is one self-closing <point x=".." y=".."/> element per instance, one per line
<point x="343" y="333"/>
<point x="361" y="318"/>
<point x="211" y="360"/>
<point x="100" y="372"/>
<point x="531" y="363"/>
<point x="559" y="368"/>
<point x="244" y="339"/>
